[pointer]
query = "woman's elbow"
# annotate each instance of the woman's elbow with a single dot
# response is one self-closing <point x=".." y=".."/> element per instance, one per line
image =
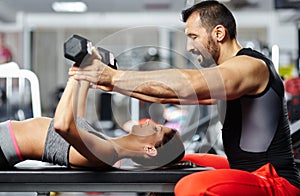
<point x="61" y="126"/>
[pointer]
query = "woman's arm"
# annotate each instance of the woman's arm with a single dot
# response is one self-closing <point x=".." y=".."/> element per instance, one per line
<point x="82" y="98"/>
<point x="93" y="148"/>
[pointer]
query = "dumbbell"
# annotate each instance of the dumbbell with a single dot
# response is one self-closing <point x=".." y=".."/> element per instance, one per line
<point x="76" y="48"/>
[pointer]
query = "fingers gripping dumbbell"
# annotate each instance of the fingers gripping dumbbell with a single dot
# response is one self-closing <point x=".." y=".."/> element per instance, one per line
<point x="76" y="48"/>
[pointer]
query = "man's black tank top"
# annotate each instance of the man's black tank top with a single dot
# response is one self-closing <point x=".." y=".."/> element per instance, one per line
<point x="256" y="128"/>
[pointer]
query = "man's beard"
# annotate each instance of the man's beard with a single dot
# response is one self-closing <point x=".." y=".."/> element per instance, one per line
<point x="210" y="54"/>
<point x="207" y="62"/>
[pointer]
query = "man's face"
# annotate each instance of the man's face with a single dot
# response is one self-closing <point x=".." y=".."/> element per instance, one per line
<point x="201" y="43"/>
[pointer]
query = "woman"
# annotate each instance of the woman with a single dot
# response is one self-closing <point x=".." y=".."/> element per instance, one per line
<point x="66" y="140"/>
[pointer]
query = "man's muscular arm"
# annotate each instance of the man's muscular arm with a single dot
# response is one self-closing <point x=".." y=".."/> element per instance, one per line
<point x="236" y="77"/>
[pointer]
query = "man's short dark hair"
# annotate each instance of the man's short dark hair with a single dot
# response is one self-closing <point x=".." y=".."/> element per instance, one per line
<point x="212" y="13"/>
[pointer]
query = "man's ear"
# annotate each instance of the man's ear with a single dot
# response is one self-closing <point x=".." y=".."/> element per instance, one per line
<point x="150" y="150"/>
<point x="219" y="32"/>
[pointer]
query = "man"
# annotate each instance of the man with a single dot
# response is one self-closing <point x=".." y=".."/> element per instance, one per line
<point x="256" y="133"/>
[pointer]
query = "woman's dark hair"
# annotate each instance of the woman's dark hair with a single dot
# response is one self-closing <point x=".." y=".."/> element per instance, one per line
<point x="170" y="150"/>
<point x="212" y="13"/>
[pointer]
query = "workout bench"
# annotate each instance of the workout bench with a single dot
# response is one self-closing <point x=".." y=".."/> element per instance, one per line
<point x="48" y="179"/>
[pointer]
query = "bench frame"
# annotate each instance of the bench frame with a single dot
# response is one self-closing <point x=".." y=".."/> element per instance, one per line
<point x="43" y="181"/>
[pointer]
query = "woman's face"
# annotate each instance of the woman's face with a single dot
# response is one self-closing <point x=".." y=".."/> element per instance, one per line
<point x="150" y="129"/>
<point x="152" y="137"/>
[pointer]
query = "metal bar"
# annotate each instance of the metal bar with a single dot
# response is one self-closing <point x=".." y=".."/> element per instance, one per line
<point x="87" y="187"/>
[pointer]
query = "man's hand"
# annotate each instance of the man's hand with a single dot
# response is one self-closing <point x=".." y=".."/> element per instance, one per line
<point x="94" y="71"/>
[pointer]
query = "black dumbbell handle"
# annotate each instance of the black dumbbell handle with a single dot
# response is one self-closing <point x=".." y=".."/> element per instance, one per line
<point x="107" y="58"/>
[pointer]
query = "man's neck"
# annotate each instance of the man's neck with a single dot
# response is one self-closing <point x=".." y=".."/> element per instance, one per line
<point x="228" y="50"/>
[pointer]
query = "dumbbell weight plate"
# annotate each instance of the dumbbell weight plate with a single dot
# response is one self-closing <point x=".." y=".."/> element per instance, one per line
<point x="77" y="47"/>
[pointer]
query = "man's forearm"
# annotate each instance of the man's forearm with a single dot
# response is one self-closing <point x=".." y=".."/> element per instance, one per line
<point x="164" y="86"/>
<point x="182" y="86"/>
